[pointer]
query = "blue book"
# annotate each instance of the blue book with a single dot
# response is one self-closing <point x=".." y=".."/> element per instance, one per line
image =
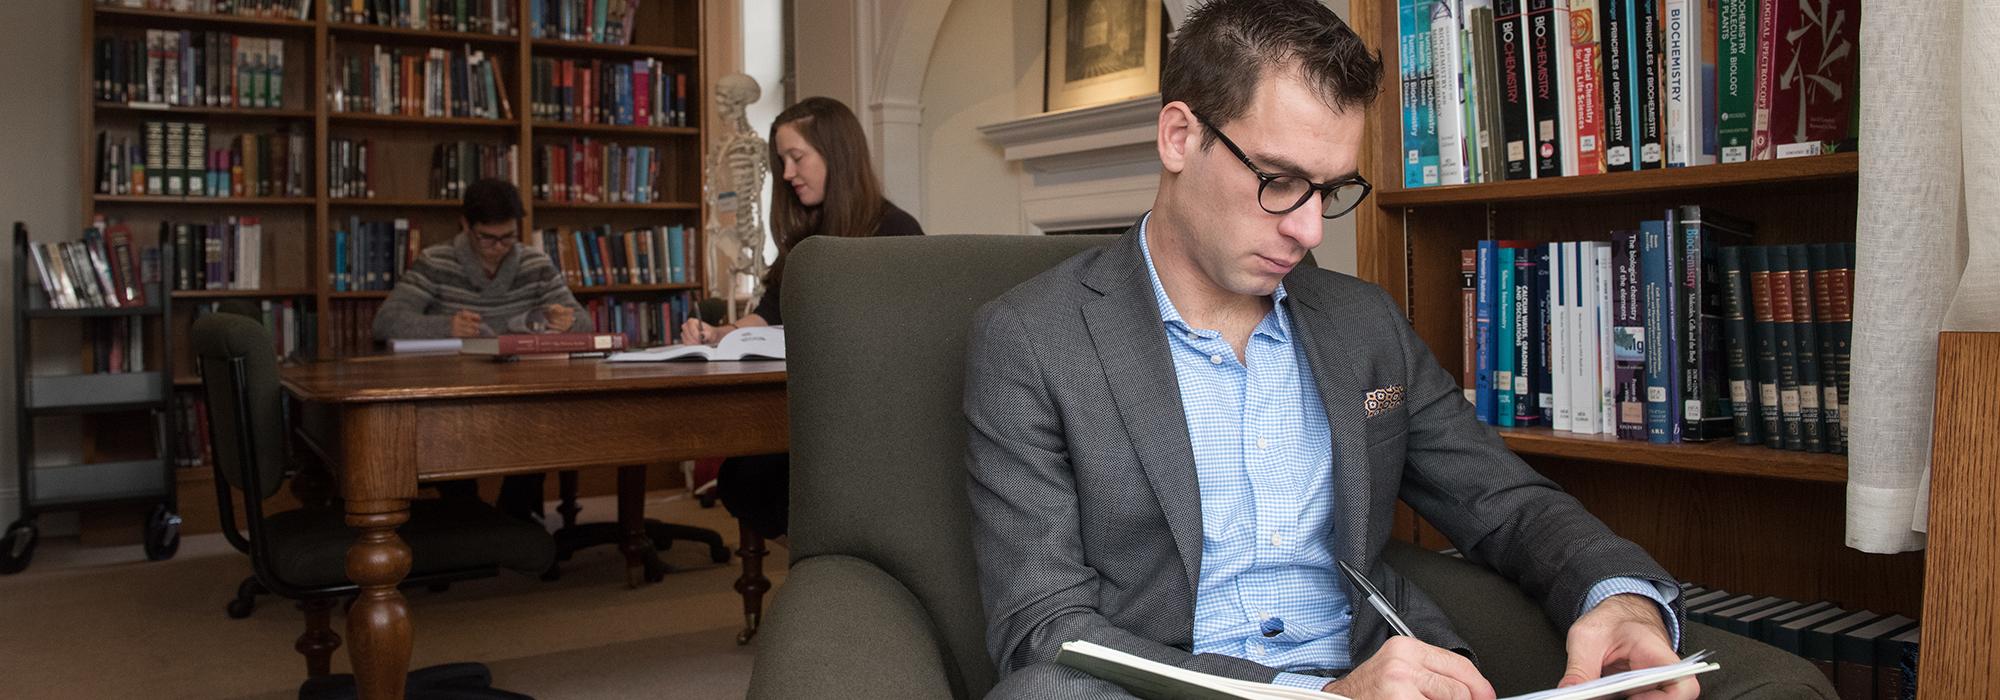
<point x="340" y="260"/>
<point x="1503" y="337"/>
<point x="1656" y="282"/>
<point x="677" y="254"/>
<point x="1483" y="402"/>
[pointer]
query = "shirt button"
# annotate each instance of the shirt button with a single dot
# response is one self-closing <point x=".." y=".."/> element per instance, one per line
<point x="1263" y="444"/>
<point x="1215" y="359"/>
<point x="1277" y="540"/>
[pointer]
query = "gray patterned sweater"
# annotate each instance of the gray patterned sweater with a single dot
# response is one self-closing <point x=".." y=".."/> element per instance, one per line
<point x="447" y="278"/>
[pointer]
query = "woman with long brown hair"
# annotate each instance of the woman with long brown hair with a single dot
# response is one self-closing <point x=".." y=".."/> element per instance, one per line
<point x="829" y="189"/>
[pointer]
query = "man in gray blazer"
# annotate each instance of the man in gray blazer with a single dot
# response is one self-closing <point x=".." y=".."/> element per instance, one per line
<point x="1173" y="439"/>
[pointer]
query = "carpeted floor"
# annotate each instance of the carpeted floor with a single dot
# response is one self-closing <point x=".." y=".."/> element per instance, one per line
<point x="104" y="623"/>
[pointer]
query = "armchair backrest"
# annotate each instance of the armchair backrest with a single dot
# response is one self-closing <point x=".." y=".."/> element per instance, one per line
<point x="876" y="338"/>
<point x="240" y="382"/>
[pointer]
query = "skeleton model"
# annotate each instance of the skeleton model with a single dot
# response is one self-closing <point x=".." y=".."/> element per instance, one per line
<point x="736" y="168"/>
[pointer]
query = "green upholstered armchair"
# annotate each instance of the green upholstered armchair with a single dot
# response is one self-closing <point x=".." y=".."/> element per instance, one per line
<point x="302" y="554"/>
<point x="882" y="599"/>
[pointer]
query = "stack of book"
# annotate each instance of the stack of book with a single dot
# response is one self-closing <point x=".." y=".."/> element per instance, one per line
<point x="418" y="83"/>
<point x="596" y="256"/>
<point x="372" y="255"/>
<point x="173" y="158"/>
<point x="590" y="171"/>
<point x="457" y="164"/>
<point x="474" y="16"/>
<point x="274" y="9"/>
<point x="351" y="326"/>
<point x="596" y="21"/>
<point x="191" y="447"/>
<point x="1514" y="89"/>
<point x="641" y="92"/>
<point x="104" y="269"/>
<point x="191" y="69"/>
<point x="649" y="323"/>
<point x="117" y="345"/>
<point x="1665" y="333"/>
<point x="223" y="254"/>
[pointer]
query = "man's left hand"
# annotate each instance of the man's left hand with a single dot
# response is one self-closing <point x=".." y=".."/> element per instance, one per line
<point x="1622" y="633"/>
<point x="560" y="317"/>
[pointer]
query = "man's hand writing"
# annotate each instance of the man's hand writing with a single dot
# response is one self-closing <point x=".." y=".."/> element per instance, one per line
<point x="465" y="324"/>
<point x="1408" y="669"/>
<point x="1622" y="633"/>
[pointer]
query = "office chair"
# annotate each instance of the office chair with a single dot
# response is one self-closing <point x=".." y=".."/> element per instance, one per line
<point x="301" y="554"/>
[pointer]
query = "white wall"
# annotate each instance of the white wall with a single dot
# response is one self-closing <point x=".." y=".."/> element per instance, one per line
<point x="39" y="46"/>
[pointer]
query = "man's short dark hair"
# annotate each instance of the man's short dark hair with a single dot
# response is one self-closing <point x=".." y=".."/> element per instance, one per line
<point x="492" y="201"/>
<point x="1226" y="47"/>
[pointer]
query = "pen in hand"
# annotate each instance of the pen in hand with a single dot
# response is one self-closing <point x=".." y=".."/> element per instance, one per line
<point x="1375" y="598"/>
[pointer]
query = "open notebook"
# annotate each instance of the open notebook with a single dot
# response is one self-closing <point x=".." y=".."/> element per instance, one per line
<point x="1157" y="681"/>
<point x="755" y="343"/>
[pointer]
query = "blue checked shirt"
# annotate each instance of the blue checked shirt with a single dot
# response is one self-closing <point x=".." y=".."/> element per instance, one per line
<point x="1263" y="456"/>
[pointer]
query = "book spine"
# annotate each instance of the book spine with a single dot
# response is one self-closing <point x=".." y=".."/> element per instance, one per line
<point x="1527" y="410"/>
<point x="1765" y="363"/>
<point x="1483" y="58"/>
<point x="1741" y="341"/>
<point x="1823" y="260"/>
<point x="1561" y="261"/>
<point x="1778" y="258"/>
<point x="1706" y="412"/>
<point x="1449" y="94"/>
<point x="1427" y="93"/>
<point x="1656" y="281"/>
<point x="1616" y="42"/>
<point x="1678" y="40"/>
<point x="1544" y="393"/>
<point x="1516" y="103"/>
<point x="1805" y="346"/>
<point x="1649" y="122"/>
<point x="1766" y="78"/>
<point x="1628" y="334"/>
<point x="1814" y="56"/>
<point x="1586" y="404"/>
<point x="1607" y="369"/>
<point x="1587" y="99"/>
<point x="1504" y="337"/>
<point x="1842" y="329"/>
<point x="1543" y="87"/>
<point x="559" y="342"/>
<point x="1468" y="288"/>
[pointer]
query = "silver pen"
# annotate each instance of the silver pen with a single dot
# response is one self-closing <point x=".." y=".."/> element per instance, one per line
<point x="1376" y="599"/>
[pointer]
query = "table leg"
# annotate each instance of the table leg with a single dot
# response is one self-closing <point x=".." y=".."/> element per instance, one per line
<point x="752" y="584"/>
<point x="642" y="561"/>
<point x="378" y="625"/>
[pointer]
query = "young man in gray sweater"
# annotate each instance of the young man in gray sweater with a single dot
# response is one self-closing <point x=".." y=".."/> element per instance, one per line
<point x="483" y="282"/>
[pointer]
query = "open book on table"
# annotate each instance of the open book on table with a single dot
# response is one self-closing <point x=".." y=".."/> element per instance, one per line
<point x="1153" y="680"/>
<point x="755" y="343"/>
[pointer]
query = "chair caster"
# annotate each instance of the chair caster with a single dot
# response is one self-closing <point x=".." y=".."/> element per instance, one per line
<point x="241" y="608"/>
<point x="163" y="533"/>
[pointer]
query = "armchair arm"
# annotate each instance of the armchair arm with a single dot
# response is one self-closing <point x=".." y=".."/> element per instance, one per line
<point x="842" y="628"/>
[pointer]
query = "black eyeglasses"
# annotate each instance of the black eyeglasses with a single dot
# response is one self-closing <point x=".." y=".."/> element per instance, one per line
<point x="1283" y="194"/>
<point x="493" y="241"/>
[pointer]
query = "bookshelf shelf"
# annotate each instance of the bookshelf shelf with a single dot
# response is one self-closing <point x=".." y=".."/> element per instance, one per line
<point x="630" y="288"/>
<point x="345" y="30"/>
<point x="620" y="206"/>
<point x="232" y="112"/>
<point x="204" y="201"/>
<point x="1755" y="173"/>
<point x="1712" y="457"/>
<point x="187" y="381"/>
<point x="100" y="312"/>
<point x="632" y="50"/>
<point x="240" y="293"/>
<point x="162" y="18"/>
<point x="358" y="295"/>
<point x="616" y="130"/>
<point x="397" y="203"/>
<point x="367" y="118"/>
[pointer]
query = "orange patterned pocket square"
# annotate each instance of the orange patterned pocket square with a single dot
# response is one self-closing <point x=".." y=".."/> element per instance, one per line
<point x="1384" y="400"/>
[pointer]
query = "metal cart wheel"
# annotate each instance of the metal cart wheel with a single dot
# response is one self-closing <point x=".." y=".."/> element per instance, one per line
<point x="163" y="533"/>
<point x="18" y="547"/>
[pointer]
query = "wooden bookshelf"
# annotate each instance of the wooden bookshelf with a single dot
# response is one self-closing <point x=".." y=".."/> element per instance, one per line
<point x="1746" y="518"/>
<point x="299" y="230"/>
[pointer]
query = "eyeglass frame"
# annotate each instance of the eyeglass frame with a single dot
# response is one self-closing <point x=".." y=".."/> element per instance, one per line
<point x="1265" y="179"/>
<point x="479" y="238"/>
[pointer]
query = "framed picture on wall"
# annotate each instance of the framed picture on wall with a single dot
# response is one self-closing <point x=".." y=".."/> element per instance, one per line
<point x="1102" y="51"/>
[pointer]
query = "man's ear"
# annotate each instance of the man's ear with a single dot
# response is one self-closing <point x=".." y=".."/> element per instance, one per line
<point x="1180" y="134"/>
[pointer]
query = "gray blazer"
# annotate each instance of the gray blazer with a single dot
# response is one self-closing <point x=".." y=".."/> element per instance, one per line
<point x="1086" y="512"/>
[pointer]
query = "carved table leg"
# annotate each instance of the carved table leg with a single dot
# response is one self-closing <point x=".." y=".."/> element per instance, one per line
<point x="378" y="624"/>
<point x="318" y="642"/>
<point x="642" y="562"/>
<point x="752" y="584"/>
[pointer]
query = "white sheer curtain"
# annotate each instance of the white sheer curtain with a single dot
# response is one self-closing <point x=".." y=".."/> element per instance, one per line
<point x="1928" y="243"/>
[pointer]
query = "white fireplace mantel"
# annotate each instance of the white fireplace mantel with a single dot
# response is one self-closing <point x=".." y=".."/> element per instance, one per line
<point x="1088" y="167"/>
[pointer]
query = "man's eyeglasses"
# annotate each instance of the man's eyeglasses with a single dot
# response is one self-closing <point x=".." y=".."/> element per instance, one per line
<point x="1283" y="194"/>
<point x="492" y="241"/>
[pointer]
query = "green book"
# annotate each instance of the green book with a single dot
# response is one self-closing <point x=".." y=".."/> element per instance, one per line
<point x="1736" y="65"/>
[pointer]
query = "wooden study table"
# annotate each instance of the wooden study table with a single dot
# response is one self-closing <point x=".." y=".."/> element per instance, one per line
<point x="385" y="423"/>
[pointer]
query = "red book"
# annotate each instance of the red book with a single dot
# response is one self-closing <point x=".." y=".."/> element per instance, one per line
<point x="1806" y="65"/>
<point x="1589" y="96"/>
<point x="543" y="344"/>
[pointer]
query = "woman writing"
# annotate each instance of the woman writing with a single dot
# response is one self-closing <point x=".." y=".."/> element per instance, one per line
<point x="829" y="190"/>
